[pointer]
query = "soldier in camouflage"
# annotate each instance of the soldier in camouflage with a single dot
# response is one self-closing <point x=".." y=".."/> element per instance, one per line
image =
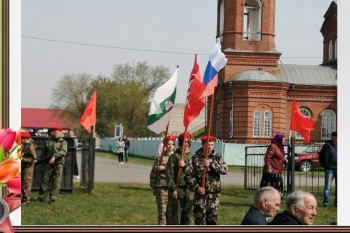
<point x="27" y="166"/>
<point x="53" y="156"/>
<point x="206" y="201"/>
<point x="157" y="179"/>
<point x="180" y="205"/>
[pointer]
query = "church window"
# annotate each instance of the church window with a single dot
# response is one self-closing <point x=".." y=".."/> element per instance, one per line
<point x="222" y="14"/>
<point x="330" y="50"/>
<point x="267" y="123"/>
<point x="257" y="124"/>
<point x="307" y="115"/>
<point x="252" y="20"/>
<point x="328" y="124"/>
<point x="335" y="48"/>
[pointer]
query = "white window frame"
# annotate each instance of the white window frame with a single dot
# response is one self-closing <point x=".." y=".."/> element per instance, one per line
<point x="306" y="113"/>
<point x="257" y="124"/>
<point x="328" y="124"/>
<point x="252" y="20"/>
<point x="267" y="123"/>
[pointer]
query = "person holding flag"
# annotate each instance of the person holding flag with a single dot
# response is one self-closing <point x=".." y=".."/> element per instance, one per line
<point x="206" y="200"/>
<point x="158" y="182"/>
<point x="180" y="204"/>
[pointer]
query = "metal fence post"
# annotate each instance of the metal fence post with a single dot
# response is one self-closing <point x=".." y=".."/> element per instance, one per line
<point x="292" y="164"/>
<point x="91" y="163"/>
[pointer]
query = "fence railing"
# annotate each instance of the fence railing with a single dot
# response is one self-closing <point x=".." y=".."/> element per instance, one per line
<point x="310" y="180"/>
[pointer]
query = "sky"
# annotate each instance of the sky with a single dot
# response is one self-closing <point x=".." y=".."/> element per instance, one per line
<point x="91" y="36"/>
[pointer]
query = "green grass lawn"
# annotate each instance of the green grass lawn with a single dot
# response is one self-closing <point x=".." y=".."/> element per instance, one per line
<point x="134" y="204"/>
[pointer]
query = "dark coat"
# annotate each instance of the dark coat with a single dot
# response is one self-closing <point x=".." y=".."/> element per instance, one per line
<point x="285" y="218"/>
<point x="328" y="156"/>
<point x="274" y="160"/>
<point x="254" y="217"/>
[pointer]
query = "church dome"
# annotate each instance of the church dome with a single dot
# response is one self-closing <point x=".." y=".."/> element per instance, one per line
<point x="255" y="75"/>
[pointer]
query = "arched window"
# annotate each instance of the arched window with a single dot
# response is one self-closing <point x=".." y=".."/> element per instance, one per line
<point x="330" y="50"/>
<point x="252" y="20"/>
<point x="335" y="48"/>
<point x="306" y="114"/>
<point x="328" y="124"/>
<point x="257" y="124"/>
<point x="267" y="123"/>
<point x="222" y="17"/>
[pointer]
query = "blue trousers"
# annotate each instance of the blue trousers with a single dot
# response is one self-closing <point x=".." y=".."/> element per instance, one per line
<point x="330" y="175"/>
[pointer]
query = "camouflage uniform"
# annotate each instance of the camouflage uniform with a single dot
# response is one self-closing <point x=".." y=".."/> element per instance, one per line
<point x="52" y="172"/>
<point x="27" y="168"/>
<point x="180" y="210"/>
<point x="161" y="188"/>
<point x="206" y="206"/>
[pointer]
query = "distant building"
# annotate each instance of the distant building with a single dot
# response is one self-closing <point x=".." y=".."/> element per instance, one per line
<point x="253" y="100"/>
<point x="42" y="118"/>
<point x="176" y="126"/>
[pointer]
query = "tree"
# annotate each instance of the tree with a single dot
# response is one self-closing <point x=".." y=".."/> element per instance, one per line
<point x="71" y="94"/>
<point x="121" y="98"/>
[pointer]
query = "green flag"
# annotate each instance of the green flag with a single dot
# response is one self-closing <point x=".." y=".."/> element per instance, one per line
<point x="162" y="105"/>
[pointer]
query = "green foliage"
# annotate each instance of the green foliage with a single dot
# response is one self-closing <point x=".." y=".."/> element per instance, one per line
<point x="121" y="98"/>
<point x="134" y="204"/>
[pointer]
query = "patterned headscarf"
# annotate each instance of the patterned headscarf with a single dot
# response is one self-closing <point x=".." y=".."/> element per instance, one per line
<point x="277" y="139"/>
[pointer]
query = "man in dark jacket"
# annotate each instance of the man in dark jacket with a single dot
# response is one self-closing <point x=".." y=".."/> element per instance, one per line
<point x="328" y="160"/>
<point x="301" y="210"/>
<point x="267" y="203"/>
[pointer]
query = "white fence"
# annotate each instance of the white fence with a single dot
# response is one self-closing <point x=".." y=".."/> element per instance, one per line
<point x="234" y="154"/>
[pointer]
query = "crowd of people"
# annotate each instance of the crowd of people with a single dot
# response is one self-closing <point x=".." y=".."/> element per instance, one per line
<point x="122" y="149"/>
<point x="187" y="186"/>
<point x="182" y="193"/>
<point x="52" y="159"/>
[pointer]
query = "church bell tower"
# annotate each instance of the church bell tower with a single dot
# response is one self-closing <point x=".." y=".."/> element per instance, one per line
<point x="246" y="29"/>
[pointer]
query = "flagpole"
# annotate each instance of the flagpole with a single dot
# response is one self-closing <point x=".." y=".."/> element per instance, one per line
<point x="163" y="152"/>
<point x="208" y="135"/>
<point x="182" y="157"/>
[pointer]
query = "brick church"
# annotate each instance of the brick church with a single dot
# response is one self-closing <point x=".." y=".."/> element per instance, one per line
<point x="253" y="100"/>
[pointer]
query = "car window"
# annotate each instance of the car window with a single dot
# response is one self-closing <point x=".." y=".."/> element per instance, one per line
<point x="311" y="149"/>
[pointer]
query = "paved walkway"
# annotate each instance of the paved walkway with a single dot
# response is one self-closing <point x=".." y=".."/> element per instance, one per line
<point x="110" y="171"/>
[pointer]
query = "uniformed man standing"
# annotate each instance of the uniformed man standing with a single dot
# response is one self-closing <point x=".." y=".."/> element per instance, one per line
<point x="206" y="201"/>
<point x="158" y="182"/>
<point x="53" y="157"/>
<point x="27" y="166"/>
<point x="180" y="203"/>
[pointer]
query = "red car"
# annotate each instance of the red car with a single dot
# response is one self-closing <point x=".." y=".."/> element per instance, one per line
<point x="308" y="158"/>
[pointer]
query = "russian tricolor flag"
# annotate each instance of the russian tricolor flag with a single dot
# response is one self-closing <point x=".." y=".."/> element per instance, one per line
<point x="216" y="62"/>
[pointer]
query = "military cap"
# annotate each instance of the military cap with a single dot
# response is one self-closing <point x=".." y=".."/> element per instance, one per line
<point x="36" y="129"/>
<point x="25" y="135"/>
<point x="169" y="137"/>
<point x="57" y="129"/>
<point x="183" y="134"/>
<point x="211" y="139"/>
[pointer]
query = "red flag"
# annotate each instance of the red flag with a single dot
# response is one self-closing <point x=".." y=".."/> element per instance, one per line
<point x="88" y="119"/>
<point x="299" y="123"/>
<point x="194" y="103"/>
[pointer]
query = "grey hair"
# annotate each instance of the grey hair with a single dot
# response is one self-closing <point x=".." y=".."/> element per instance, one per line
<point x="267" y="192"/>
<point x="296" y="198"/>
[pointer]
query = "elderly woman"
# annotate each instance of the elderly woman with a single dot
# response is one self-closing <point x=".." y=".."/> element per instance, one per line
<point x="274" y="160"/>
